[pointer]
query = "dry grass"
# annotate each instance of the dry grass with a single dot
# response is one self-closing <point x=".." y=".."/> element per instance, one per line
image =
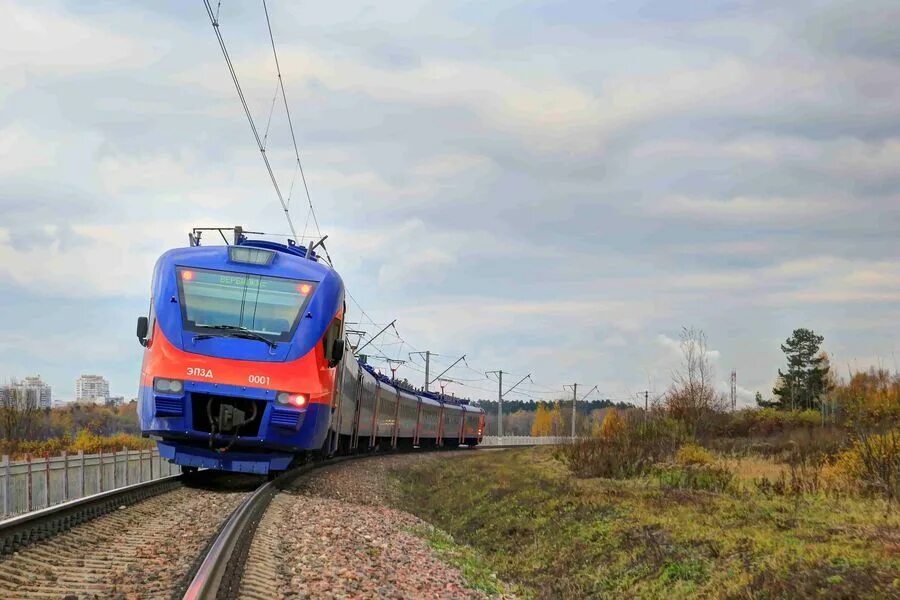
<point x="748" y="468"/>
<point x="557" y="535"/>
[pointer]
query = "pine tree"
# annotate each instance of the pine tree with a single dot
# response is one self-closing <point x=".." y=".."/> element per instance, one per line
<point x="806" y="378"/>
<point x="766" y="403"/>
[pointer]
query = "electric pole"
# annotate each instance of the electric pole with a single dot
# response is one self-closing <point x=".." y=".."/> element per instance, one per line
<point x="500" y="404"/>
<point x="646" y="400"/>
<point x="574" y="387"/>
<point x="500" y="394"/>
<point x="733" y="390"/>
<point x="427" y="354"/>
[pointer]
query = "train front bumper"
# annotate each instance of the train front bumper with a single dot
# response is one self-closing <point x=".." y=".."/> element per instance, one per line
<point x="182" y="419"/>
<point x="238" y="461"/>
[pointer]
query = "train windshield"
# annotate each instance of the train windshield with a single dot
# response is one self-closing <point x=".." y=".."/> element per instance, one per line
<point x="269" y="306"/>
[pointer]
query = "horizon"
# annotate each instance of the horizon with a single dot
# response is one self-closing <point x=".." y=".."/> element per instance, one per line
<point x="554" y="189"/>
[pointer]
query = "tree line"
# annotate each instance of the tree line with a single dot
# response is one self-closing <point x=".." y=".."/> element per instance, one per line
<point x="29" y="424"/>
<point x="584" y="406"/>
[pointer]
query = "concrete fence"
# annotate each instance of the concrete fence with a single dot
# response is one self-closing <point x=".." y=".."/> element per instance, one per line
<point x="523" y="440"/>
<point x="27" y="485"/>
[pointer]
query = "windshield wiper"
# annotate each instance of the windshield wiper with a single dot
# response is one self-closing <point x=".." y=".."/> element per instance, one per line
<point x="235" y="331"/>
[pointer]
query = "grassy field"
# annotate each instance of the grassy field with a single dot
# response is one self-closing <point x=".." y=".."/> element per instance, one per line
<point x="553" y="535"/>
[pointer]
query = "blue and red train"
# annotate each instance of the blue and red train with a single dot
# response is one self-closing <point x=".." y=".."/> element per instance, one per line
<point x="245" y="370"/>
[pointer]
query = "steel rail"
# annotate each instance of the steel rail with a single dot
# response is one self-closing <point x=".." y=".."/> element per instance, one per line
<point x="210" y="575"/>
<point x="34" y="526"/>
<point x="219" y="573"/>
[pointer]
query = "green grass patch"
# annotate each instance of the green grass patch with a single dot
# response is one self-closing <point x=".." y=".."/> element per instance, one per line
<point x="553" y="535"/>
<point x="475" y="571"/>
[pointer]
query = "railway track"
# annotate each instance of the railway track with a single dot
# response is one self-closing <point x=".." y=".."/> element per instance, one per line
<point x="222" y="573"/>
<point x="219" y="574"/>
<point x="140" y="541"/>
<point x="145" y="540"/>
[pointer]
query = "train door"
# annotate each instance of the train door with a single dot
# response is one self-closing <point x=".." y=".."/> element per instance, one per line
<point x="396" y="421"/>
<point x="418" y="429"/>
<point x="357" y="413"/>
<point x="439" y="438"/>
<point x="461" y="437"/>
<point x="373" y="439"/>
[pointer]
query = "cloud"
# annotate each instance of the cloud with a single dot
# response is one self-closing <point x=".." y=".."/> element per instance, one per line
<point x="55" y="44"/>
<point x="773" y="211"/>
<point x="420" y="267"/>
<point x="546" y="188"/>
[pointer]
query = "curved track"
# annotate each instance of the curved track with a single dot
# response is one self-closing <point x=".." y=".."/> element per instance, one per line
<point x="144" y="540"/>
<point x="219" y="575"/>
<point x="223" y="568"/>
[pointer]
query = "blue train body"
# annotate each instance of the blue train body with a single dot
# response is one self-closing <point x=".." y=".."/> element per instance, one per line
<point x="244" y="369"/>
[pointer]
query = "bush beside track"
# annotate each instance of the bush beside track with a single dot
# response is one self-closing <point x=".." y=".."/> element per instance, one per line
<point x="652" y="534"/>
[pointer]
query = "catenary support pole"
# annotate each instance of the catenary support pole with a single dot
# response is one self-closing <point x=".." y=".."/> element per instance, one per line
<point x="500" y="405"/>
<point x="574" y="401"/>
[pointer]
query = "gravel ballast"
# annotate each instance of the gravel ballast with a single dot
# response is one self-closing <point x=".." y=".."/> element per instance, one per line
<point x="335" y="536"/>
<point x="140" y="551"/>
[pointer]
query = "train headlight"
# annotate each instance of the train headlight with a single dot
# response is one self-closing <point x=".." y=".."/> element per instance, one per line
<point x="297" y="400"/>
<point x="168" y="386"/>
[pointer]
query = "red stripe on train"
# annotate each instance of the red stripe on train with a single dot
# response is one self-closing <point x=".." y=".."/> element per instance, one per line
<point x="308" y="374"/>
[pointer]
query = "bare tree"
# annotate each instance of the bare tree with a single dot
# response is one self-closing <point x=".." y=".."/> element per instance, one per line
<point x="19" y="410"/>
<point x="692" y="395"/>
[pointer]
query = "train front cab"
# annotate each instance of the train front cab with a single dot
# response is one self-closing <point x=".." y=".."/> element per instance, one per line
<point x="276" y="399"/>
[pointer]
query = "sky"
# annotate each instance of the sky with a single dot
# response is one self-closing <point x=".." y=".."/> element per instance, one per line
<point x="553" y="188"/>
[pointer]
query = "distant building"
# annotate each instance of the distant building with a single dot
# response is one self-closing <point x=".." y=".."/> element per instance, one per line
<point x="31" y="392"/>
<point x="114" y="401"/>
<point x="91" y="389"/>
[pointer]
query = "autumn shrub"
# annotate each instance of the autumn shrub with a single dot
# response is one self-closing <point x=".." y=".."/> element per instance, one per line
<point x="86" y="441"/>
<point x="761" y="422"/>
<point x="691" y="454"/>
<point x="709" y="477"/>
<point x="826" y="441"/>
<point x="806" y="473"/>
<point x="612" y="426"/>
<point x="871" y="399"/>
<point x="870" y="466"/>
<point x="626" y="451"/>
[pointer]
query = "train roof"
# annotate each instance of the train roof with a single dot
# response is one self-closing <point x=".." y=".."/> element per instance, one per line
<point x="291" y="258"/>
<point x="427" y="397"/>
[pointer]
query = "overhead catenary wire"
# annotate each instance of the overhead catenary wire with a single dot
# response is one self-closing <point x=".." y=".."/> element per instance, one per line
<point x="214" y="20"/>
<point x="262" y="142"/>
<point x="287" y="112"/>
